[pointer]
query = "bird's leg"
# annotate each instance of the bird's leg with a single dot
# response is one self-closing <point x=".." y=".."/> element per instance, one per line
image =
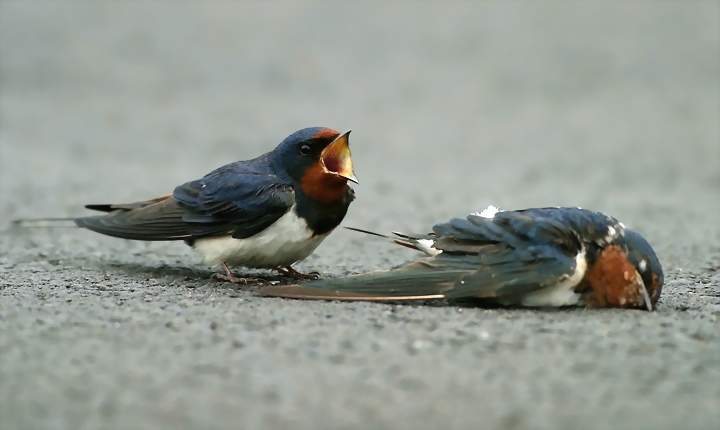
<point x="228" y="276"/>
<point x="289" y="271"/>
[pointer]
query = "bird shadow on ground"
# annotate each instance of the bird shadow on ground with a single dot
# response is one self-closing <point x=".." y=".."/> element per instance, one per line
<point x="191" y="274"/>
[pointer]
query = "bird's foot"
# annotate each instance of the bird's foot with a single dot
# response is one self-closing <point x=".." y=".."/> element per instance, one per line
<point x="229" y="276"/>
<point x="245" y="280"/>
<point x="289" y="271"/>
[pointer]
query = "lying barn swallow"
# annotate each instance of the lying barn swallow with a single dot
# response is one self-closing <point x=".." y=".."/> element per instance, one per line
<point x="549" y="257"/>
<point x="268" y="212"/>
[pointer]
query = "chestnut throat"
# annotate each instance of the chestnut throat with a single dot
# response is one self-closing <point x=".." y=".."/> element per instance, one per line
<point x="610" y="280"/>
<point x="323" y="200"/>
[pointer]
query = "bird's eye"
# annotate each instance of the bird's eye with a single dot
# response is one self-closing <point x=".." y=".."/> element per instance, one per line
<point x="305" y="149"/>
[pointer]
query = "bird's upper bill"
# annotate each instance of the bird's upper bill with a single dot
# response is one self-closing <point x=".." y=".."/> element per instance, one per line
<point x="335" y="158"/>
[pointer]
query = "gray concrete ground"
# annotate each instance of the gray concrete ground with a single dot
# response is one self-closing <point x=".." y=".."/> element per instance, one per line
<point x="611" y="106"/>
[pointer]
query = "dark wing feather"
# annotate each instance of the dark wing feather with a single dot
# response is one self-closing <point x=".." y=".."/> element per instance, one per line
<point x="515" y="229"/>
<point x="241" y="199"/>
<point x="409" y="283"/>
<point x="508" y="273"/>
<point x="125" y="206"/>
<point x="159" y="221"/>
<point x="250" y="203"/>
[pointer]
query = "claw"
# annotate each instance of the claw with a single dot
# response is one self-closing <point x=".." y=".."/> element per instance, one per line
<point x="221" y="277"/>
<point x="228" y="276"/>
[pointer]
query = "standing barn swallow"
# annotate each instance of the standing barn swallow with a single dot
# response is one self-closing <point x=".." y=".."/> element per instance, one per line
<point x="268" y="212"/>
<point x="549" y="257"/>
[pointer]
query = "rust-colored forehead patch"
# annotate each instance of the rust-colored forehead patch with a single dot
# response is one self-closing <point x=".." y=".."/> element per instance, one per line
<point x="326" y="133"/>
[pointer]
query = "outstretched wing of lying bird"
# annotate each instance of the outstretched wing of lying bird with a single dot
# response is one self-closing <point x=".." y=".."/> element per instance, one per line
<point x="533" y="257"/>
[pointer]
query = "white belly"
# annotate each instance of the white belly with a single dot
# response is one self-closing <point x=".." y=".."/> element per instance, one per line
<point x="286" y="241"/>
<point x="563" y="293"/>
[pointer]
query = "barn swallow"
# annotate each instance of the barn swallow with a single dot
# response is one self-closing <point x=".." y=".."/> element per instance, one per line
<point x="546" y="257"/>
<point x="267" y="212"/>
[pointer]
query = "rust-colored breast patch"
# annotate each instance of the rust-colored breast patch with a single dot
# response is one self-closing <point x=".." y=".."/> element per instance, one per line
<point x="614" y="281"/>
<point x="322" y="186"/>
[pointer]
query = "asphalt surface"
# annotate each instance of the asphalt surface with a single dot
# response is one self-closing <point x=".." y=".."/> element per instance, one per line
<point x="613" y="107"/>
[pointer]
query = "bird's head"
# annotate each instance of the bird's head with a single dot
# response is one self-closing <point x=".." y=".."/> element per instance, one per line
<point x="642" y="256"/>
<point x="626" y="273"/>
<point x="319" y="160"/>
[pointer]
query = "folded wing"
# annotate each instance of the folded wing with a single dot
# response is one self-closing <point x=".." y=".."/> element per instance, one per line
<point x="224" y="202"/>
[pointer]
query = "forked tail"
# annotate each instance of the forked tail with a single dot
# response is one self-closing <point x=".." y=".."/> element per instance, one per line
<point x="422" y="243"/>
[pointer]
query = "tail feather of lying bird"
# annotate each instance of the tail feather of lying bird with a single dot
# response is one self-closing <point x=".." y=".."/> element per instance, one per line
<point x="547" y="257"/>
<point x="418" y="242"/>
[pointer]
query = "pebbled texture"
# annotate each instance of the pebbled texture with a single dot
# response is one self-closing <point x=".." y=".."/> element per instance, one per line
<point x="613" y="108"/>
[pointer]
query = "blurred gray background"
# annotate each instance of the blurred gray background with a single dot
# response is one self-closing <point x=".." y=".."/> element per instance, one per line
<point x="613" y="106"/>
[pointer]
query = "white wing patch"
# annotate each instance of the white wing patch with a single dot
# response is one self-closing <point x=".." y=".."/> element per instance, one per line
<point x="489" y="212"/>
<point x="611" y="234"/>
<point x="428" y="246"/>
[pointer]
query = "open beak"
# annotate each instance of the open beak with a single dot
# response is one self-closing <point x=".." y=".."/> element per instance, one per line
<point x="335" y="158"/>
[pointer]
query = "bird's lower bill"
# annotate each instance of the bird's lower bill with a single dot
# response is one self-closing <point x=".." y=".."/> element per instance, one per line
<point x="642" y="290"/>
<point x="336" y="158"/>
